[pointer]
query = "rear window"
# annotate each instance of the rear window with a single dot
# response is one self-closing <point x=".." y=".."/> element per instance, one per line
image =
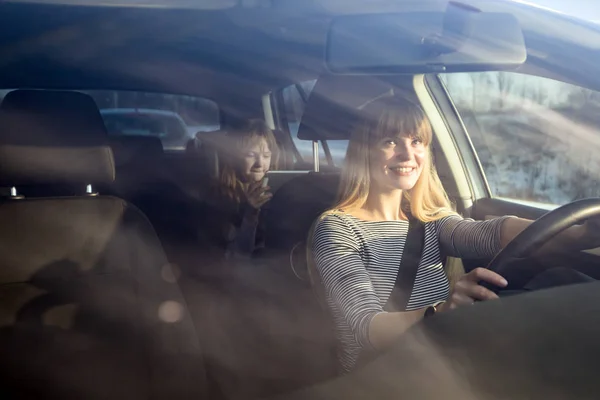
<point x="169" y="128"/>
<point x="175" y="119"/>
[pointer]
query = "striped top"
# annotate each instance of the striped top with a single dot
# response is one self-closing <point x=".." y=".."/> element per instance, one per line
<point x="358" y="262"/>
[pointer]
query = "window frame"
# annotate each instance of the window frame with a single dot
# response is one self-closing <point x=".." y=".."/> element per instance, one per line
<point x="282" y="123"/>
<point x="465" y="149"/>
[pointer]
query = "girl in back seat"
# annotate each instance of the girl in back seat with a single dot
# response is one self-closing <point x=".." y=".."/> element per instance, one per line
<point x="233" y="216"/>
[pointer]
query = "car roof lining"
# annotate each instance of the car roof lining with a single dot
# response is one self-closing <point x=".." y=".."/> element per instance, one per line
<point x="241" y="51"/>
<point x="185" y="4"/>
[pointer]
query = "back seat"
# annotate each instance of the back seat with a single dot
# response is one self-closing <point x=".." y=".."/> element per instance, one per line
<point x="144" y="178"/>
<point x="138" y="163"/>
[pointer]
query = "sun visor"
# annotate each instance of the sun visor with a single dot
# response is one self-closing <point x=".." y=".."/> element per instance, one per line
<point x="335" y="103"/>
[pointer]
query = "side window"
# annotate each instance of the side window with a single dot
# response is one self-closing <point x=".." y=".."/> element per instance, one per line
<point x="295" y="98"/>
<point x="537" y="139"/>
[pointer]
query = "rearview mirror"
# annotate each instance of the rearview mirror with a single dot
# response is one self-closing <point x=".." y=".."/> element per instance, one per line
<point x="461" y="39"/>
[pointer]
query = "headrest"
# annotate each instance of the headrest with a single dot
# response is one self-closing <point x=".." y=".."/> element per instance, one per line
<point x="334" y="105"/>
<point x="308" y="195"/>
<point x="136" y="149"/>
<point x="210" y="146"/>
<point x="53" y="137"/>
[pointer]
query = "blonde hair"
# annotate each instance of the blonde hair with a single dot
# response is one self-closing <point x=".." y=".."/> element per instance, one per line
<point x="390" y="117"/>
<point x="230" y="185"/>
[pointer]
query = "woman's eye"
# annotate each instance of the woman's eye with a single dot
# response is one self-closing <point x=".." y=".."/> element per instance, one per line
<point x="389" y="142"/>
<point x="416" y="142"/>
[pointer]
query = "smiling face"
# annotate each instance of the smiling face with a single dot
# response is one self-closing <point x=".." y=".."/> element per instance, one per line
<point x="389" y="154"/>
<point x="398" y="147"/>
<point x="255" y="160"/>
<point x="396" y="162"/>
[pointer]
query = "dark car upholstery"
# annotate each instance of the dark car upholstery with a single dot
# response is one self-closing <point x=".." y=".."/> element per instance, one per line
<point x="138" y="160"/>
<point x="296" y="205"/>
<point x="89" y="306"/>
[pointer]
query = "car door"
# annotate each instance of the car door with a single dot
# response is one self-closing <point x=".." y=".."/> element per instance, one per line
<point x="531" y="143"/>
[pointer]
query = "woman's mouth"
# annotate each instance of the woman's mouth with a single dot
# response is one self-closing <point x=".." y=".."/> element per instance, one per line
<point x="402" y="171"/>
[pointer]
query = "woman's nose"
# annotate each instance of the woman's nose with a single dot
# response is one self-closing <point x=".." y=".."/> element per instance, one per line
<point x="403" y="151"/>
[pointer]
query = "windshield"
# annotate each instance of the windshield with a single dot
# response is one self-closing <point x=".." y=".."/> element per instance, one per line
<point x="211" y="200"/>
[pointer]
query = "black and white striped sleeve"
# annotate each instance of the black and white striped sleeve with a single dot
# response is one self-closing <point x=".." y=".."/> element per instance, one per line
<point x="467" y="238"/>
<point x="349" y="288"/>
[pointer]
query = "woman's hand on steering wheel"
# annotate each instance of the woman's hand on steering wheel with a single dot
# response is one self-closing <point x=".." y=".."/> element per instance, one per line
<point x="468" y="290"/>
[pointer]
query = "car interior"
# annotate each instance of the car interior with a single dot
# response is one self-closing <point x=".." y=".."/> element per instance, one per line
<point x="107" y="289"/>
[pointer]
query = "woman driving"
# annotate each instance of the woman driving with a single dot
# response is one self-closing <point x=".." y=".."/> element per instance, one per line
<point x="388" y="184"/>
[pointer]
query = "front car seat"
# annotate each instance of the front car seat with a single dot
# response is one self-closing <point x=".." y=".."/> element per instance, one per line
<point x="89" y="306"/>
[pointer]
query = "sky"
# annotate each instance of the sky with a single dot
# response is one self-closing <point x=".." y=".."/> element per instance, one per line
<point x="584" y="9"/>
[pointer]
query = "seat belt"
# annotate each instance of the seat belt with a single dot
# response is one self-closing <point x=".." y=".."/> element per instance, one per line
<point x="405" y="279"/>
<point x="409" y="264"/>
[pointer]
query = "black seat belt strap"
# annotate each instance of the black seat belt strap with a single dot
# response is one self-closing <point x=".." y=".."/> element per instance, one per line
<point x="409" y="265"/>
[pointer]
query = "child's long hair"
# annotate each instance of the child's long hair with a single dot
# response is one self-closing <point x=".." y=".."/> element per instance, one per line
<point x="230" y="185"/>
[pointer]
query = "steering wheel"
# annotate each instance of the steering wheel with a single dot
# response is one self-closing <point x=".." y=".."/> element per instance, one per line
<point x="509" y="261"/>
